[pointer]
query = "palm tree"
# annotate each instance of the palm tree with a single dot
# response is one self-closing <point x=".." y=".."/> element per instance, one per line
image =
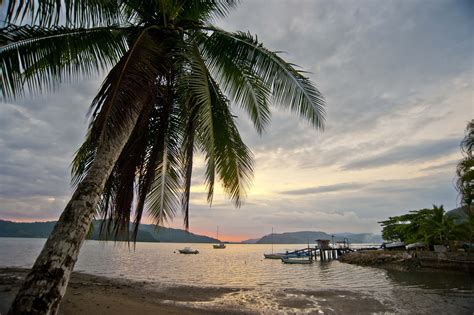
<point x="167" y="96"/>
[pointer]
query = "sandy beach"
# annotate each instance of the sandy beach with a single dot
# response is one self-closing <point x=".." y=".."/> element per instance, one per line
<point x="89" y="294"/>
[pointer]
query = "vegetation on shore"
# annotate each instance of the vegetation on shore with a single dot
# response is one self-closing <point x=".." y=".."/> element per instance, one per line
<point x="431" y="226"/>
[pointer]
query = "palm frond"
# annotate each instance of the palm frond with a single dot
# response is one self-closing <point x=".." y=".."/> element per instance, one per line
<point x="38" y="58"/>
<point x="203" y="10"/>
<point x="234" y="161"/>
<point x="163" y="199"/>
<point x="188" y="155"/>
<point x="289" y="87"/>
<point x="199" y="90"/>
<point x="131" y="84"/>
<point x="239" y="82"/>
<point x="86" y="13"/>
<point x="225" y="153"/>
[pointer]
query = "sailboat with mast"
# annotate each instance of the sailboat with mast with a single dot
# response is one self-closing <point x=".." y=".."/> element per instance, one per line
<point x="220" y="245"/>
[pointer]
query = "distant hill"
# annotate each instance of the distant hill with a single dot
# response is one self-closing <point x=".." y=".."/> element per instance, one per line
<point x="250" y="241"/>
<point x="147" y="232"/>
<point x="304" y="237"/>
<point x="460" y="214"/>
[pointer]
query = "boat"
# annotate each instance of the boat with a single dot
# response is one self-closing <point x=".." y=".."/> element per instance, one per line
<point x="275" y="255"/>
<point x="188" y="250"/>
<point x="299" y="260"/>
<point x="220" y="245"/>
<point x="286" y="255"/>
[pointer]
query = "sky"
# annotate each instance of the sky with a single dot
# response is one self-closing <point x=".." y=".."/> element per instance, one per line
<point x="398" y="79"/>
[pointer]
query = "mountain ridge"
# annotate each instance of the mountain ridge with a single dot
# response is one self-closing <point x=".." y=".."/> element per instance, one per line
<point x="303" y="237"/>
<point x="146" y="233"/>
<point x="149" y="233"/>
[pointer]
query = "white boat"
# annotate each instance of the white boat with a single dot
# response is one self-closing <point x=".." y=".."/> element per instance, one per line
<point x="188" y="250"/>
<point x="304" y="261"/>
<point x="220" y="245"/>
<point x="287" y="254"/>
<point x="275" y="255"/>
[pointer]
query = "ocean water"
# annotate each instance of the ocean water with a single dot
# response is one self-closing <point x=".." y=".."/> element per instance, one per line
<point x="243" y="266"/>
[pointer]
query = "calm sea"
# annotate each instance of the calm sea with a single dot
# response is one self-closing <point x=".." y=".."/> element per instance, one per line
<point x="243" y="266"/>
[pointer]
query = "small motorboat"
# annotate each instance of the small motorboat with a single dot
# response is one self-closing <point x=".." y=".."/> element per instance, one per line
<point x="285" y="255"/>
<point x="302" y="260"/>
<point x="188" y="250"/>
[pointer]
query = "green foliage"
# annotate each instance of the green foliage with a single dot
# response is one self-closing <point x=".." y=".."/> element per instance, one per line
<point x="34" y="58"/>
<point x="432" y="226"/>
<point x="180" y="72"/>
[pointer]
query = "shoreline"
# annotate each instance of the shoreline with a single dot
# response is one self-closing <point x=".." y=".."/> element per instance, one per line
<point x="456" y="262"/>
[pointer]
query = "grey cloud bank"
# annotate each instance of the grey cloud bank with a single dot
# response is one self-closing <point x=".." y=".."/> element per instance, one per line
<point x="324" y="189"/>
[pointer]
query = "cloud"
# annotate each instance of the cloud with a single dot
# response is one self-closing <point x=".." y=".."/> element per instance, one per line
<point x="423" y="151"/>
<point x="450" y="165"/>
<point x="324" y="189"/>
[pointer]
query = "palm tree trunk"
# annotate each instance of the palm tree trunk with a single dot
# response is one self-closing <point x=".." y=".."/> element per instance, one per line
<point x="46" y="283"/>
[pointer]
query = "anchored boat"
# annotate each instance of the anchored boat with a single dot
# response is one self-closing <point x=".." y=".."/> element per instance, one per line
<point x="220" y="245"/>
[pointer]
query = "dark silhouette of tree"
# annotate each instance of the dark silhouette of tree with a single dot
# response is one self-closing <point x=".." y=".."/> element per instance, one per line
<point x="173" y="77"/>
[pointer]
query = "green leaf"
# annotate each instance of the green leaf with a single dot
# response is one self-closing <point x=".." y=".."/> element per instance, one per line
<point x="40" y="59"/>
<point x="289" y="87"/>
<point x="85" y="13"/>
